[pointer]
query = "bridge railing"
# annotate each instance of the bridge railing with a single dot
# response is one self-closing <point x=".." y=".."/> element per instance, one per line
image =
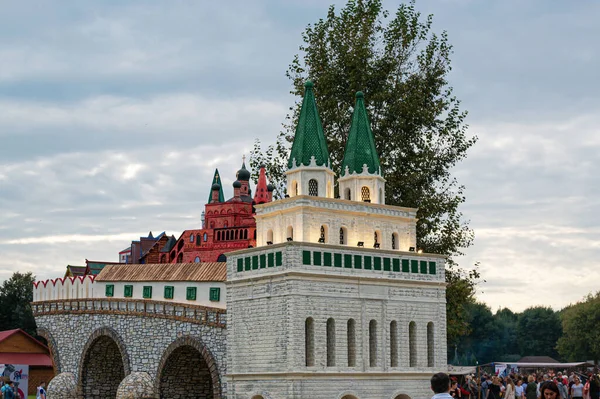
<point x="213" y="317"/>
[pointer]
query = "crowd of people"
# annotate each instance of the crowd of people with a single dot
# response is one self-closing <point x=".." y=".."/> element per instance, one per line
<point x="548" y="385"/>
<point x="8" y="390"/>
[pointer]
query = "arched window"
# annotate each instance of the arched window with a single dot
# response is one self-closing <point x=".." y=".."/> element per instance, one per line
<point x="394" y="344"/>
<point x="294" y="188"/>
<point x="197" y="259"/>
<point x="191" y="237"/>
<point x="343" y="236"/>
<point x="395" y="241"/>
<point x="376" y="239"/>
<point x="163" y="258"/>
<point x="205" y="237"/>
<point x="347" y="194"/>
<point x="365" y="194"/>
<point x="373" y="343"/>
<point x="254" y="234"/>
<point x="330" y="342"/>
<point x="290" y="232"/>
<point x="329" y="193"/>
<point x="313" y="188"/>
<point x="323" y="234"/>
<point x="180" y="245"/>
<point x="309" y="341"/>
<point x="381" y="200"/>
<point x="412" y="344"/>
<point x="270" y="236"/>
<point x="180" y="258"/>
<point x="430" y="353"/>
<point x="222" y="258"/>
<point x="236" y="234"/>
<point x="351" y="343"/>
<point x="198" y="240"/>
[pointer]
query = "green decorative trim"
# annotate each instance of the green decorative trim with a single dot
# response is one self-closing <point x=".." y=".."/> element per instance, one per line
<point x="396" y="266"/>
<point x="147" y="292"/>
<point x="216" y="180"/>
<point x="423" y="264"/>
<point x="278" y="259"/>
<point x="368" y="262"/>
<point x="247" y="264"/>
<point x="190" y="293"/>
<point x="348" y="261"/>
<point x="306" y="257"/>
<point x="271" y="259"/>
<point x="432" y="268"/>
<point x="337" y="260"/>
<point x="327" y="259"/>
<point x="405" y="266"/>
<point x="377" y="263"/>
<point x="110" y="290"/>
<point x="263" y="261"/>
<point x="387" y="264"/>
<point x="169" y="291"/>
<point x="316" y="258"/>
<point x="414" y="266"/>
<point x="309" y="139"/>
<point x="254" y="262"/>
<point x="240" y="265"/>
<point x="128" y="291"/>
<point x="214" y="294"/>
<point x="357" y="262"/>
<point x="360" y="146"/>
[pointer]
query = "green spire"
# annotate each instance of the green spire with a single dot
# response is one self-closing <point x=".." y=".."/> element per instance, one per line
<point x="216" y="180"/>
<point x="360" y="147"/>
<point x="309" y="139"/>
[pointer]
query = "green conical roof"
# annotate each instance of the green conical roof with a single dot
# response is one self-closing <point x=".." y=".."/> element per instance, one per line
<point x="309" y="139"/>
<point x="360" y="147"/>
<point x="216" y="180"/>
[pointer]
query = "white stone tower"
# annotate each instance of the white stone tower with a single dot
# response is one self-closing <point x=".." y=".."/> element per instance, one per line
<point x="334" y="302"/>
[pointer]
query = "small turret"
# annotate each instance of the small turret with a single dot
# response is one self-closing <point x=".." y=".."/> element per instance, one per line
<point x="262" y="192"/>
<point x="216" y="188"/>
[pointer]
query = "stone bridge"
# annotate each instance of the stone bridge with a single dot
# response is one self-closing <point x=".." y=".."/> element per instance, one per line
<point x="125" y="348"/>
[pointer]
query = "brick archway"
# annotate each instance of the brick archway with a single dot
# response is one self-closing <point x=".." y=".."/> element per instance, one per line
<point x="54" y="355"/>
<point x="104" y="360"/>
<point x="178" y="347"/>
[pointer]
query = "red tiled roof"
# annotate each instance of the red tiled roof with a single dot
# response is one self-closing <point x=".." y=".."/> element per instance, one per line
<point x="208" y="271"/>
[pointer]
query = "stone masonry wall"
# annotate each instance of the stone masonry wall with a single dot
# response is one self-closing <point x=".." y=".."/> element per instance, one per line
<point x="144" y="339"/>
<point x="186" y="376"/>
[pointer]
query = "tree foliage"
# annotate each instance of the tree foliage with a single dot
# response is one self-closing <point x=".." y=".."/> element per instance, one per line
<point x="16" y="295"/>
<point x="538" y="330"/>
<point x="581" y="332"/>
<point x="418" y="125"/>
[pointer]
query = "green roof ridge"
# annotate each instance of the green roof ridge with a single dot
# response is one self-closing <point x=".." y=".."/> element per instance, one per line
<point x="216" y="180"/>
<point x="309" y="139"/>
<point x="360" y="147"/>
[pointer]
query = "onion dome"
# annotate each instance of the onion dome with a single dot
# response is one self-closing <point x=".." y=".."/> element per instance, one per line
<point x="216" y="186"/>
<point x="270" y="187"/>
<point x="237" y="184"/>
<point x="243" y="174"/>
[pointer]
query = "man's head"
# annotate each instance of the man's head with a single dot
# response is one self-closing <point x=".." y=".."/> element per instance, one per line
<point x="440" y="383"/>
<point x="42" y="384"/>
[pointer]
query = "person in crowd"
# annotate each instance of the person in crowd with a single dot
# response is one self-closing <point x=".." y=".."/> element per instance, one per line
<point x="9" y="391"/>
<point x="454" y="390"/>
<point x="594" y="391"/>
<point x="549" y="390"/>
<point x="440" y="385"/>
<point x="473" y="388"/>
<point x="484" y="386"/>
<point x="510" y="392"/>
<point x="577" y="389"/>
<point x="519" y="389"/>
<point x="41" y="391"/>
<point x="531" y="390"/>
<point x="494" y="389"/>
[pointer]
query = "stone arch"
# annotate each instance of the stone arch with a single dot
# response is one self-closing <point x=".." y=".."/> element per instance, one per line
<point x="137" y="385"/>
<point x="178" y="348"/>
<point x="259" y="395"/>
<point x="54" y="355"/>
<point x="105" y="359"/>
<point x="348" y="395"/>
<point x="400" y="395"/>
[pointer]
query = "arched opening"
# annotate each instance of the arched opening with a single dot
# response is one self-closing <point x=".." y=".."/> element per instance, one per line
<point x="412" y="344"/>
<point x="290" y="232"/>
<point x="236" y="234"/>
<point x="365" y="194"/>
<point x="185" y="374"/>
<point x="222" y="258"/>
<point x="349" y="397"/>
<point x="329" y="193"/>
<point x="294" y="188"/>
<point x="103" y="366"/>
<point x="163" y="258"/>
<point x="347" y="194"/>
<point x="313" y="187"/>
<point x="376" y="239"/>
<point x="381" y="199"/>
<point x="394" y="344"/>
<point x="191" y="237"/>
<point x="351" y="343"/>
<point x="323" y="234"/>
<point x="373" y="343"/>
<point x="309" y="342"/>
<point x="330" y="342"/>
<point x="257" y="397"/>
<point x="180" y="258"/>
<point x="270" y="236"/>
<point x="430" y="352"/>
<point x="343" y="236"/>
<point x="180" y="245"/>
<point x="402" y="396"/>
<point x="395" y="241"/>
<point x="197" y="259"/>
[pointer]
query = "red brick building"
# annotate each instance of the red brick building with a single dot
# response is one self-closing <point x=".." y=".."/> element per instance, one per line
<point x="228" y="225"/>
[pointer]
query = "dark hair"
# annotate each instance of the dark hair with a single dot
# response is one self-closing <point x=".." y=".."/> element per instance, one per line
<point x="440" y="383"/>
<point x="551" y="386"/>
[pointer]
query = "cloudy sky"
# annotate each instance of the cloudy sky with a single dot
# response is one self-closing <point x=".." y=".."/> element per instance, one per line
<point x="114" y="114"/>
